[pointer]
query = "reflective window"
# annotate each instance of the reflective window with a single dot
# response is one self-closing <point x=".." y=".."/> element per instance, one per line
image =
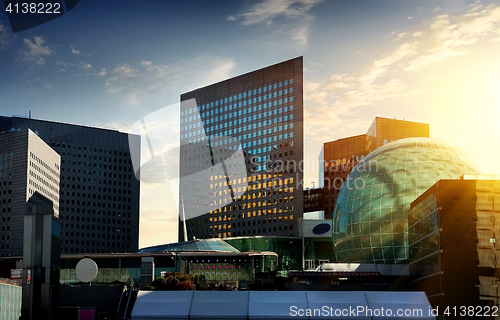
<point x="370" y="216"/>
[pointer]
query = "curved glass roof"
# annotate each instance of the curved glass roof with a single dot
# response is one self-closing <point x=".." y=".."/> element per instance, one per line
<point x="371" y="213"/>
<point x="214" y="245"/>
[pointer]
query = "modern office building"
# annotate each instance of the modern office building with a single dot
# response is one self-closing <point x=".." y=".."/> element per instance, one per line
<point x="29" y="175"/>
<point x="99" y="193"/>
<point x="241" y="146"/>
<point x="452" y="230"/>
<point x="371" y="214"/>
<point x="339" y="157"/>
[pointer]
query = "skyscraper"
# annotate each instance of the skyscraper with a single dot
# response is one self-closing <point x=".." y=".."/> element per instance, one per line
<point x="339" y="157"/>
<point x="99" y="193"/>
<point x="241" y="148"/>
<point x="29" y="175"/>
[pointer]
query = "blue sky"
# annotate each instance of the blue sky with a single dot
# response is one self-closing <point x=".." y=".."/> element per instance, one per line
<point x="110" y="63"/>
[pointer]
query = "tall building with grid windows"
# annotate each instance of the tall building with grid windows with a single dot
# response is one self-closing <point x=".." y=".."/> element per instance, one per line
<point x="241" y="147"/>
<point x="29" y="175"/>
<point x="339" y="157"/>
<point x="99" y="193"/>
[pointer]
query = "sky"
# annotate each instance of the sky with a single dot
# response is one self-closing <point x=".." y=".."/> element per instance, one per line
<point x="111" y="63"/>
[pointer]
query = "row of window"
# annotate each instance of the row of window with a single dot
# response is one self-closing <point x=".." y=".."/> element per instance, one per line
<point x="90" y="149"/>
<point x="241" y="206"/>
<point x="100" y="250"/>
<point x="94" y="196"/>
<point x="239" y="96"/>
<point x="213" y="113"/>
<point x="95" y="181"/>
<point x="105" y="174"/>
<point x="5" y="183"/>
<point x="98" y="212"/>
<point x="245" y="222"/>
<point x="256" y="179"/>
<point x="112" y="160"/>
<point x="263" y="149"/>
<point x="241" y="115"/>
<point x="249" y="233"/>
<point x="102" y="205"/>
<point x="52" y="178"/>
<point x="44" y="164"/>
<point x="94" y="188"/>
<point x="99" y="220"/>
<point x="44" y="182"/>
<point x="4" y="209"/>
<point x="104" y="236"/>
<point x="44" y="195"/>
<point x="239" y="128"/>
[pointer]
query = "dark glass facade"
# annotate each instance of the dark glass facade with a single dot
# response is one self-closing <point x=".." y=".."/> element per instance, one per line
<point x="99" y="193"/>
<point x="241" y="147"/>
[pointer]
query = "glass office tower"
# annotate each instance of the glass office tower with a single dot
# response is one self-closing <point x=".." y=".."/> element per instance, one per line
<point x="241" y="147"/>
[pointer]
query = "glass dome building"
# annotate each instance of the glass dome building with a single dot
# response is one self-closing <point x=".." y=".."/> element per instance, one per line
<point x="371" y="213"/>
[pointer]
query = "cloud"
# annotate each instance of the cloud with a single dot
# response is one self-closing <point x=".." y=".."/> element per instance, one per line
<point x="390" y="74"/>
<point x="74" y="51"/>
<point x="401" y="36"/>
<point x="221" y="72"/>
<point x="5" y="36"/>
<point x="140" y="81"/>
<point x="114" y="89"/>
<point x="449" y="37"/>
<point x="301" y="36"/>
<point x="125" y="70"/>
<point x="84" y="65"/>
<point x="35" y="51"/>
<point x="268" y="10"/>
<point x="61" y="62"/>
<point x="61" y="70"/>
<point x="380" y="66"/>
<point x="114" y="125"/>
<point x="101" y="73"/>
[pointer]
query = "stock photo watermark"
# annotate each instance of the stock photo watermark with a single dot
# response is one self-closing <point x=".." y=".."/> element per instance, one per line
<point x="362" y="311"/>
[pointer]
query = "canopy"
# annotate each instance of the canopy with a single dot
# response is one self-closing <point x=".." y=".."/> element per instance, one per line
<point x="281" y="305"/>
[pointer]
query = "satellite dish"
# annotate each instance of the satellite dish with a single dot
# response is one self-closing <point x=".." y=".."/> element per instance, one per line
<point x="86" y="270"/>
